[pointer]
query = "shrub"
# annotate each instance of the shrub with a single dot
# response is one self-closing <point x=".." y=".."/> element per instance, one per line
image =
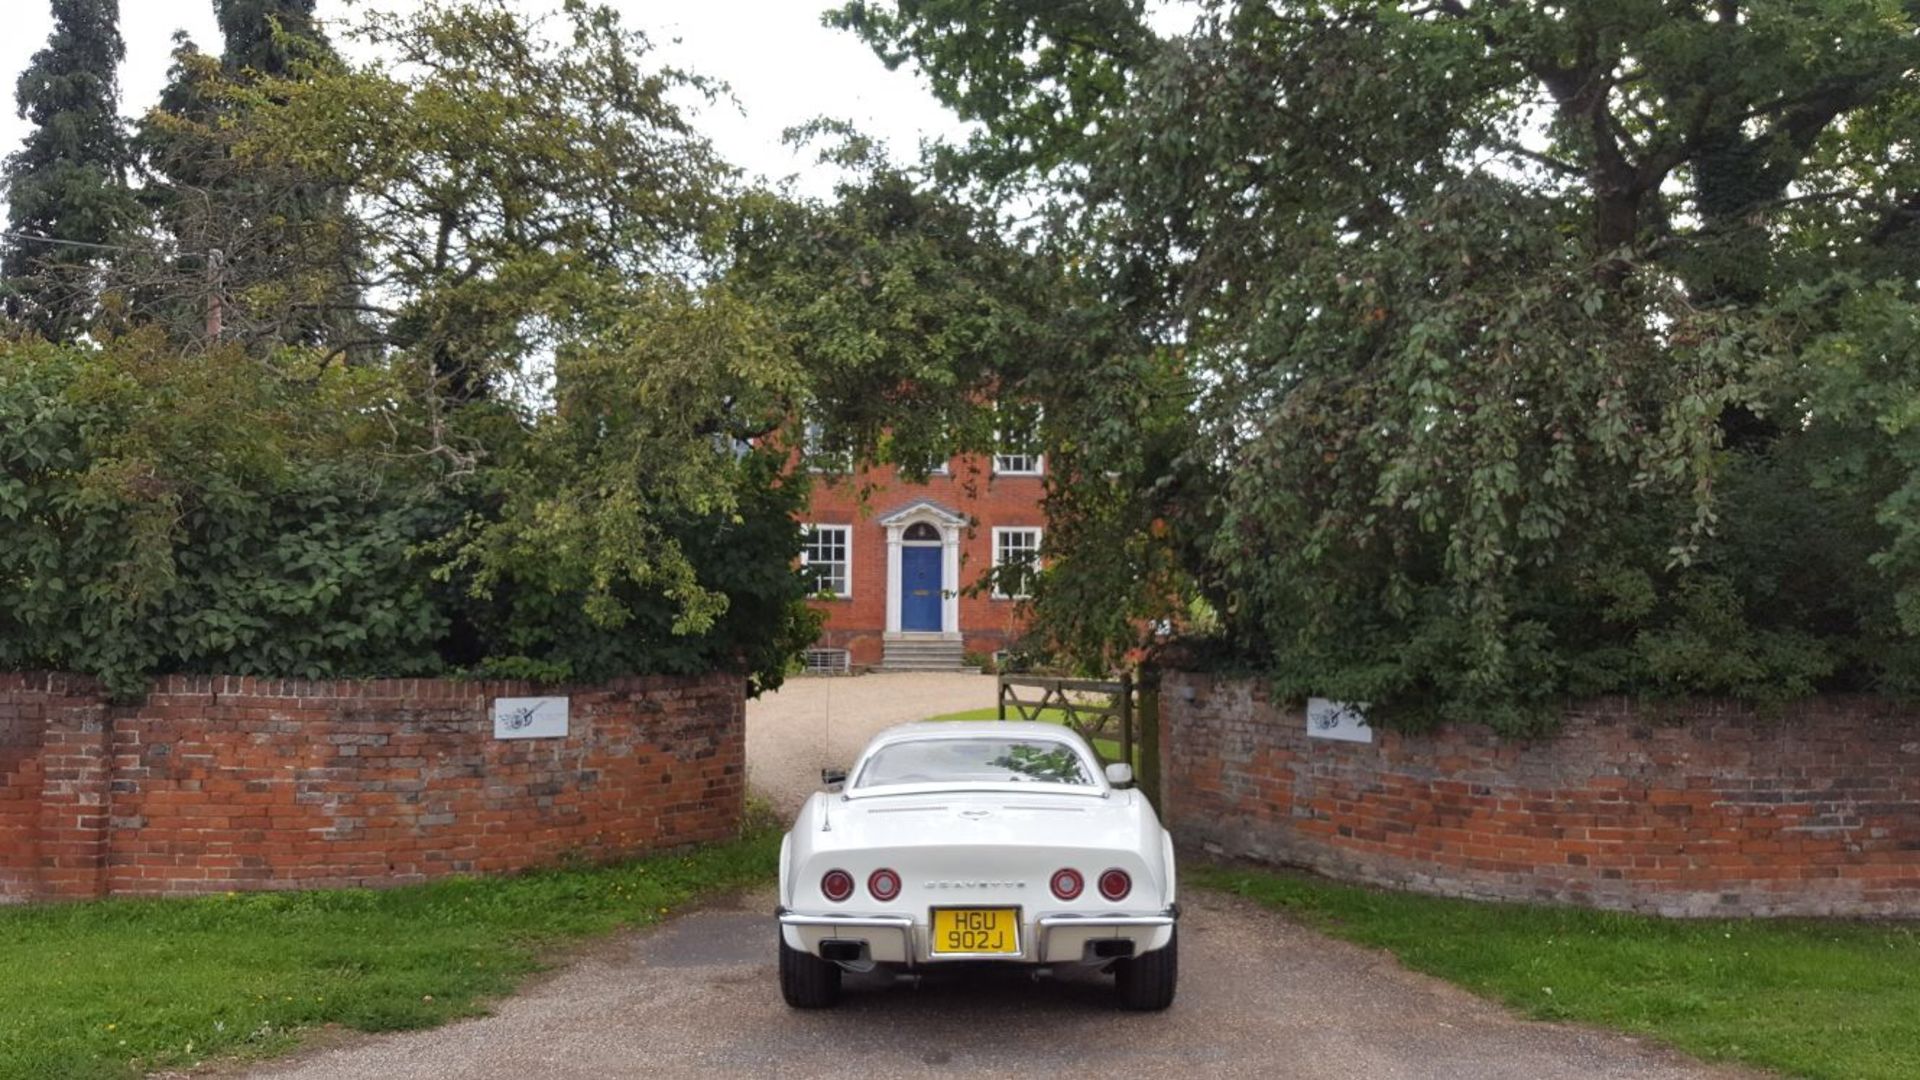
<point x="220" y="513"/>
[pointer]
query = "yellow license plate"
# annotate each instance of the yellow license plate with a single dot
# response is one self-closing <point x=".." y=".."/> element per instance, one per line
<point x="976" y="931"/>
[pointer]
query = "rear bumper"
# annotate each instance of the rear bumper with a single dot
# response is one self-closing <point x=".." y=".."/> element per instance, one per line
<point x="889" y="939"/>
<point x="1062" y="939"/>
<point x="1049" y="939"/>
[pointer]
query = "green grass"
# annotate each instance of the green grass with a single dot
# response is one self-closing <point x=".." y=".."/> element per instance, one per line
<point x="1108" y="749"/>
<point x="1809" y="998"/>
<point x="110" y="989"/>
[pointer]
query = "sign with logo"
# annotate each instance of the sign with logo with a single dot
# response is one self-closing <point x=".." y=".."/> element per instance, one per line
<point x="530" y="718"/>
<point x="1343" y="720"/>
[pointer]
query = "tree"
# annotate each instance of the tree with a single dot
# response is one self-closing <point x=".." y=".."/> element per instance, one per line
<point x="907" y="309"/>
<point x="921" y="325"/>
<point x="270" y="247"/>
<point x="513" y="189"/>
<point x="1489" y="310"/>
<point x="270" y="37"/>
<point x="539" y="207"/>
<point x="68" y="183"/>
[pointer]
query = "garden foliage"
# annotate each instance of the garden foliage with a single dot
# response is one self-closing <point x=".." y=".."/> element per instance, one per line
<point x="1462" y="357"/>
<point x="1452" y="357"/>
<point x="218" y="513"/>
<point x="211" y="514"/>
<point x="510" y="418"/>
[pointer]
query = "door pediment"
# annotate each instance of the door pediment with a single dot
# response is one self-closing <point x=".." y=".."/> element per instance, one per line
<point x="923" y="510"/>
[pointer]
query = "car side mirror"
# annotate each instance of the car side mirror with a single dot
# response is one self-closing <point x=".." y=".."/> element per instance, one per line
<point x="1120" y="774"/>
<point x="833" y="778"/>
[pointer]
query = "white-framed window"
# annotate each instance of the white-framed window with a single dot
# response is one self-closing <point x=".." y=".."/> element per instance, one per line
<point x="731" y="445"/>
<point x="936" y="462"/>
<point x="937" y="467"/>
<point x="826" y="558"/>
<point x="1017" y="548"/>
<point x="820" y="459"/>
<point x="1017" y="441"/>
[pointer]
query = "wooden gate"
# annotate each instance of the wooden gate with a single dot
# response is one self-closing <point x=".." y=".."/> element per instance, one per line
<point x="1102" y="710"/>
<point x="1115" y="716"/>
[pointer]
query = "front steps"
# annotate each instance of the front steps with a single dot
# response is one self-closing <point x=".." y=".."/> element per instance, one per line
<point x="923" y="654"/>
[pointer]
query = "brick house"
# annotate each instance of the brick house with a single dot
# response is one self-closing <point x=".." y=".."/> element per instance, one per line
<point x="895" y="562"/>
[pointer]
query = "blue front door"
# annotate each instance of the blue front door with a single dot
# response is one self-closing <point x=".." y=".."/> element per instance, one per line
<point x="920" y="588"/>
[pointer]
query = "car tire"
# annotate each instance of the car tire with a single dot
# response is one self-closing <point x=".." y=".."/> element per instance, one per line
<point x="806" y="981"/>
<point x="1146" y="983"/>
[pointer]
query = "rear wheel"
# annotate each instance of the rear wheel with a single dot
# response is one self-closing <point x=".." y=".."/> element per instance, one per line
<point x="806" y="981"/>
<point x="1146" y="982"/>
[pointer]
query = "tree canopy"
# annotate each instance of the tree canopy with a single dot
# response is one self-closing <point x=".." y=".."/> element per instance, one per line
<point x="69" y="181"/>
<point x="505" y="368"/>
<point x="1514" y="351"/>
<point x="270" y="37"/>
<point x="267" y="245"/>
<point x="1453" y="357"/>
<point x="907" y="309"/>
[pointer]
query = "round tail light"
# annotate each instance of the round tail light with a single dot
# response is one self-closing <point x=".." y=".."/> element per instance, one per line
<point x="1067" y="884"/>
<point x="1115" y="884"/>
<point x="837" y="884"/>
<point x="884" y="885"/>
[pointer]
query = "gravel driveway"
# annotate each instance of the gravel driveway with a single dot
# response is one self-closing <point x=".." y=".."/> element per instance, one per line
<point x="1259" y="996"/>
<point x="812" y="723"/>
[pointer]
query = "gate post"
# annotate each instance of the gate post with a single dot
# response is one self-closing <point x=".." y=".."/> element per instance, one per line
<point x="1150" y="739"/>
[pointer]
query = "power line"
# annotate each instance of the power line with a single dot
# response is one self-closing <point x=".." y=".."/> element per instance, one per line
<point x="30" y="239"/>
<point x="216" y="263"/>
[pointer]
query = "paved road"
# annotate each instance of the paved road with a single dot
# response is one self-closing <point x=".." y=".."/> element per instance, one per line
<point x="1259" y="997"/>
<point x="810" y="724"/>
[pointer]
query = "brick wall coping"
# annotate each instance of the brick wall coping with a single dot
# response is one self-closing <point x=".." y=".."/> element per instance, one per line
<point x="415" y="689"/>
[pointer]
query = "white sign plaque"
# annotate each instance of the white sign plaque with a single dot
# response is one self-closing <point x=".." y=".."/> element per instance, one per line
<point x="530" y="718"/>
<point x="1343" y="720"/>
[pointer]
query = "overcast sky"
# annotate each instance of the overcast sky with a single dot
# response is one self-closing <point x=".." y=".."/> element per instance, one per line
<point x="783" y="66"/>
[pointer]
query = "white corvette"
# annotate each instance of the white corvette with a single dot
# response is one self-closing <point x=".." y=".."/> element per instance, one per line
<point x="996" y="842"/>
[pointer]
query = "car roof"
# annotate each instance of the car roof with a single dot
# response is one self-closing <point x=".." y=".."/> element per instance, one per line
<point x="949" y="729"/>
<point x="962" y="729"/>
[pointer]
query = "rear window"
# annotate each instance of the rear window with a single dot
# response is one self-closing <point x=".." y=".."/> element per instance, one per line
<point x="974" y="759"/>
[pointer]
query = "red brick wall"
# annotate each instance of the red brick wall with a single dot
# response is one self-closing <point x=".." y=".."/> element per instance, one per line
<point x="857" y="623"/>
<point x="53" y="798"/>
<point x="215" y="784"/>
<point x="1700" y="809"/>
<point x="21" y="723"/>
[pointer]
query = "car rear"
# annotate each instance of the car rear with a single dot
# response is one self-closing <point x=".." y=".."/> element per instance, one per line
<point x="911" y="894"/>
<point x="968" y="844"/>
